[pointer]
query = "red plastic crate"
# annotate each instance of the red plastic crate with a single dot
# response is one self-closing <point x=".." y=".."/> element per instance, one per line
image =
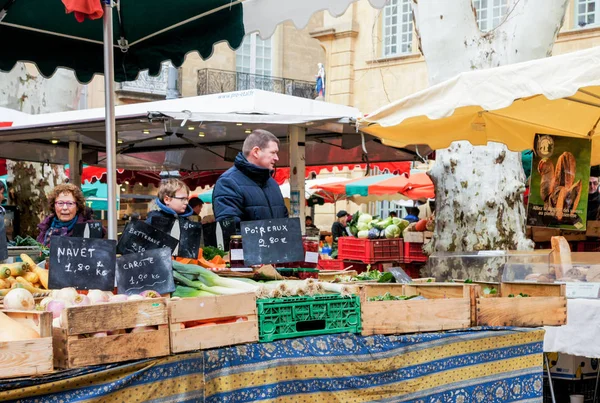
<point x="587" y="246"/>
<point x="370" y="250"/>
<point x="413" y="252"/>
<point x="331" y="264"/>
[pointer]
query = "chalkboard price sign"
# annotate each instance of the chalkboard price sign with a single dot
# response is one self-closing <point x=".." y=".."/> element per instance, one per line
<point x="150" y="270"/>
<point x="189" y="238"/>
<point x="272" y="241"/>
<point x="83" y="263"/>
<point x="140" y="237"/>
<point x="91" y="229"/>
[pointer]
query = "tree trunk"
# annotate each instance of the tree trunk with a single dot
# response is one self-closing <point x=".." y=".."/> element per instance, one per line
<point x="479" y="190"/>
<point x="25" y="90"/>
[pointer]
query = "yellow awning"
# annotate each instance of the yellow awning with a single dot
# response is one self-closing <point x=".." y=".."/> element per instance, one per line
<point x="557" y="95"/>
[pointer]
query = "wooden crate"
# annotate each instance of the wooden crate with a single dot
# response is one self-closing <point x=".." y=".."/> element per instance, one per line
<point x="206" y="308"/>
<point x="28" y="357"/>
<point x="72" y="350"/>
<point x="448" y="306"/>
<point x="545" y="306"/>
<point x="593" y="229"/>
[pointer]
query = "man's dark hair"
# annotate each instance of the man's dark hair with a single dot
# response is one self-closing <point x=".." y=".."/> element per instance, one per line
<point x="195" y="201"/>
<point x="258" y="138"/>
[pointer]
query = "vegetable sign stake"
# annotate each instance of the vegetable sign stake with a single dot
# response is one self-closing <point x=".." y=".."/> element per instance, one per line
<point x="272" y="241"/>
<point x="83" y="263"/>
<point x="150" y="270"/>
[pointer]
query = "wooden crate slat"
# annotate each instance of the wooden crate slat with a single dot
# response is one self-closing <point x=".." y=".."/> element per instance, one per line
<point x="114" y="316"/>
<point x="439" y="290"/>
<point x="205" y="309"/>
<point x="213" y="336"/>
<point x="533" y="289"/>
<point x="368" y="290"/>
<point x="222" y="306"/>
<point x="26" y="358"/>
<point x="529" y="311"/>
<point x="81" y="352"/>
<point x="396" y="317"/>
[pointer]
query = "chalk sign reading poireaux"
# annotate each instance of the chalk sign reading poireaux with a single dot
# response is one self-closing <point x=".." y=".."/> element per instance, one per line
<point x="83" y="263"/>
<point x="150" y="270"/>
<point x="272" y="241"/>
<point x="140" y="237"/>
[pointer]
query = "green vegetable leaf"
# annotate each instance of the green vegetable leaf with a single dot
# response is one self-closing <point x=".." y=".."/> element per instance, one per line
<point x="386" y="277"/>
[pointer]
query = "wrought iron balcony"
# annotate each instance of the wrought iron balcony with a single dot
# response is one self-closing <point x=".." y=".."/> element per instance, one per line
<point x="212" y="81"/>
<point x="147" y="86"/>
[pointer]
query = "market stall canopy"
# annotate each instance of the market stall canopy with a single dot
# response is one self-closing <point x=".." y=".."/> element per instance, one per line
<point x="92" y="174"/>
<point x="195" y="133"/>
<point x="311" y="189"/>
<point x="557" y="95"/>
<point x="145" y="34"/>
<point x="382" y="187"/>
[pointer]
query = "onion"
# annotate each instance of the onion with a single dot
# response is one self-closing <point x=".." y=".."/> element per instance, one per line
<point x="114" y="332"/>
<point x="45" y="302"/>
<point x="118" y="298"/>
<point x="67" y="295"/>
<point x="97" y="296"/>
<point x="150" y="294"/>
<point x="81" y="300"/>
<point x="135" y="298"/>
<point x="56" y="307"/>
<point x="100" y="334"/>
<point x="19" y="299"/>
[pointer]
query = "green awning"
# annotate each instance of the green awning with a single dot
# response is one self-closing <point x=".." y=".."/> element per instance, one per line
<point x="41" y="32"/>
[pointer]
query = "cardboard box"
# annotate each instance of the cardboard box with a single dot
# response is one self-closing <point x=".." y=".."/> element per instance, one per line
<point x="571" y="367"/>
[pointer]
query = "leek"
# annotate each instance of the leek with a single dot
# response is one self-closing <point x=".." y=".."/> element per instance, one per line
<point x="189" y="292"/>
<point x="212" y="279"/>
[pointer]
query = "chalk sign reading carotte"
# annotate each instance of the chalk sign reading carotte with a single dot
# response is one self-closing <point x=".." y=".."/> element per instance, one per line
<point x="150" y="270"/>
<point x="272" y="241"/>
<point x="141" y="237"/>
<point x="83" y="263"/>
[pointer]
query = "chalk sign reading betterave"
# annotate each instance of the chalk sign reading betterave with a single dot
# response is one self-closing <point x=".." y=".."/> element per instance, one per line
<point x="140" y="237"/>
<point x="272" y="241"/>
<point x="150" y="270"/>
<point x="83" y="263"/>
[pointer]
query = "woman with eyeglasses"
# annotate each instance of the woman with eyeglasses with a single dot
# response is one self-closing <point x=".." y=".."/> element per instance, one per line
<point x="171" y="202"/>
<point x="68" y="208"/>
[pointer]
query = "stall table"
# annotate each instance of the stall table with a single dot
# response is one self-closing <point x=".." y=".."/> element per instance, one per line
<point x="473" y="365"/>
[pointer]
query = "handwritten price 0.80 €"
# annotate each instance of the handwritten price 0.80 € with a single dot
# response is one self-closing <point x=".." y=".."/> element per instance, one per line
<point x="271" y="241"/>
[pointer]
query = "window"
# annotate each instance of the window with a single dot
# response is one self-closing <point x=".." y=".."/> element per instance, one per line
<point x="397" y="28"/>
<point x="254" y="56"/>
<point x="490" y="13"/>
<point x="586" y="12"/>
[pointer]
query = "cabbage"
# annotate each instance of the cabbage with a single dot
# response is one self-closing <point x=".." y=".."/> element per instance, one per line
<point x="384" y="224"/>
<point x="373" y="223"/>
<point x="402" y="225"/>
<point x="363" y="234"/>
<point x="396" y="220"/>
<point x="366" y="218"/>
<point x="362" y="226"/>
<point x="392" y="231"/>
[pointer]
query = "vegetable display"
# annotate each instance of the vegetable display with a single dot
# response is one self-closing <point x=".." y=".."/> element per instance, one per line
<point x="389" y="297"/>
<point x="365" y="226"/>
<point x="25" y="275"/>
<point x="195" y="281"/>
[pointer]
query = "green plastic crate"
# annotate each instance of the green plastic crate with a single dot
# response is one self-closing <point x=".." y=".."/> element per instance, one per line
<point x="285" y="318"/>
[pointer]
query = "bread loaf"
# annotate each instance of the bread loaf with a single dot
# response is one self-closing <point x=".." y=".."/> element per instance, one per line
<point x="561" y="255"/>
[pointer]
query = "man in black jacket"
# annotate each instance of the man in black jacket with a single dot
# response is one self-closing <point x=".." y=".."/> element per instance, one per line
<point x="247" y="191"/>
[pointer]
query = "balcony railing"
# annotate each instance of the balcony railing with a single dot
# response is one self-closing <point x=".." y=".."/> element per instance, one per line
<point x="148" y="85"/>
<point x="211" y="81"/>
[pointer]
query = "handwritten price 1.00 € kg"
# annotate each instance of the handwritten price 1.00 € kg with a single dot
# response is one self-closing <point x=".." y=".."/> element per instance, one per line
<point x="271" y="241"/>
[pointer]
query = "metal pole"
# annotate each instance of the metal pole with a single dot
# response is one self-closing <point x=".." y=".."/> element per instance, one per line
<point x="75" y="163"/>
<point x="109" y="104"/>
<point x="549" y="377"/>
<point x="297" y="136"/>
